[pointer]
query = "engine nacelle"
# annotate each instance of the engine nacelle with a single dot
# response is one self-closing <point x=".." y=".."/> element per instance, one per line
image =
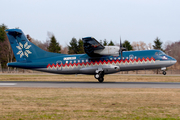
<point x="108" y="50"/>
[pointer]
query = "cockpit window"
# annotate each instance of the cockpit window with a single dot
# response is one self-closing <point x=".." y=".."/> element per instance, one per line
<point x="161" y="53"/>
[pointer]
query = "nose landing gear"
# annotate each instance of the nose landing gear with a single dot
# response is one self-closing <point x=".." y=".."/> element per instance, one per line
<point x="100" y="76"/>
<point x="164" y="72"/>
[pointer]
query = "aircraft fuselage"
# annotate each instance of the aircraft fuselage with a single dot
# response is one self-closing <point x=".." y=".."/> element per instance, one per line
<point x="83" y="64"/>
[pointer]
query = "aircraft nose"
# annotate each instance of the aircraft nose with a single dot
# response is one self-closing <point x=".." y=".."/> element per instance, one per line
<point x="173" y="61"/>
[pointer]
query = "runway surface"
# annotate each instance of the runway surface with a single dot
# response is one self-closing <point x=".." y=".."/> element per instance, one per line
<point x="50" y="84"/>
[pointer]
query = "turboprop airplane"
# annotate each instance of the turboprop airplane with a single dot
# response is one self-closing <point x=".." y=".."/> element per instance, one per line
<point x="98" y="60"/>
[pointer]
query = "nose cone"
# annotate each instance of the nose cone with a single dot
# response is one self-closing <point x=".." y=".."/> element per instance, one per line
<point x="173" y="61"/>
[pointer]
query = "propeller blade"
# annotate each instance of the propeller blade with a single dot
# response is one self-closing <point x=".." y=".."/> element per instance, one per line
<point x="120" y="51"/>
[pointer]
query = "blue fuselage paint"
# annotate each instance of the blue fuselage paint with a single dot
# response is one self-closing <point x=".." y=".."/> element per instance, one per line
<point x="83" y="64"/>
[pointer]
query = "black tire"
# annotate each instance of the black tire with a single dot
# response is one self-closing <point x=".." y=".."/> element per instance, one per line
<point x="164" y="72"/>
<point x="101" y="79"/>
<point x="101" y="74"/>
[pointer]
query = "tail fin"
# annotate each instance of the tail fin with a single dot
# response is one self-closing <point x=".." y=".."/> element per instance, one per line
<point x="25" y="50"/>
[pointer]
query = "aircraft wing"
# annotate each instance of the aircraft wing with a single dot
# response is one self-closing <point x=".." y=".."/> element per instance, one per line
<point x="90" y="45"/>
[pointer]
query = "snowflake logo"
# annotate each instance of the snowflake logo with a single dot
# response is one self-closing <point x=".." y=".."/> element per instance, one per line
<point x="24" y="48"/>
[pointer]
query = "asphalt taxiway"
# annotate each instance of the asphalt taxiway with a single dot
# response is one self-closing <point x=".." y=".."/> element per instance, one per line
<point x="52" y="84"/>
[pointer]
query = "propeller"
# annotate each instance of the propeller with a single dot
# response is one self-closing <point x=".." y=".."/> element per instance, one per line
<point x="120" y="50"/>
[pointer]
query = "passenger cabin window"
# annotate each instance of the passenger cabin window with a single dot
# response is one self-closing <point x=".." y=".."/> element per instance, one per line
<point x="102" y="59"/>
<point x="156" y="53"/>
<point x="58" y="62"/>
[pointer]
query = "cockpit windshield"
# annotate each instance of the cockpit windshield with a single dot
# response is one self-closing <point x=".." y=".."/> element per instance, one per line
<point x="159" y="53"/>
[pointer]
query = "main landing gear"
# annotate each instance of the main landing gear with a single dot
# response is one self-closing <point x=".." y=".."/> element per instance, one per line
<point x="100" y="76"/>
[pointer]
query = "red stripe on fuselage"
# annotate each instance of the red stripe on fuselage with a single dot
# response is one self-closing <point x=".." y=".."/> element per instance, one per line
<point x="102" y="62"/>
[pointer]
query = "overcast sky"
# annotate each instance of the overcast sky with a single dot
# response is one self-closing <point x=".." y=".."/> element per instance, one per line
<point x="134" y="20"/>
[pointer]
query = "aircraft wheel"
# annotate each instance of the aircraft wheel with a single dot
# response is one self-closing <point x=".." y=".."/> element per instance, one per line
<point x="96" y="76"/>
<point x="101" y="74"/>
<point x="101" y="79"/>
<point x="164" y="72"/>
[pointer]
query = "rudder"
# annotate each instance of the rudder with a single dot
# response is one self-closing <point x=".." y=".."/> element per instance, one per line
<point x="15" y="46"/>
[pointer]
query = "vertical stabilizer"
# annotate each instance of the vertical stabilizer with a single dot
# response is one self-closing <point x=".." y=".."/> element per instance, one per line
<point x="25" y="50"/>
<point x="15" y="47"/>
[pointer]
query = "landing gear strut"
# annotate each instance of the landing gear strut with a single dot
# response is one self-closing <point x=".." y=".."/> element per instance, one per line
<point x="100" y="76"/>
